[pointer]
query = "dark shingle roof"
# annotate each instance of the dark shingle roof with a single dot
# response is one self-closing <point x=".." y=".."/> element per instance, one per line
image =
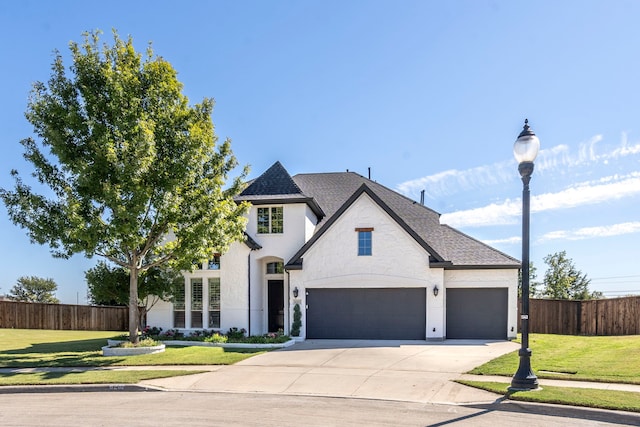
<point x="275" y="181"/>
<point x="276" y="186"/>
<point x="447" y="246"/>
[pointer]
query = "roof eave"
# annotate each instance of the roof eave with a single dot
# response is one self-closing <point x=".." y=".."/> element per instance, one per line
<point x="448" y="265"/>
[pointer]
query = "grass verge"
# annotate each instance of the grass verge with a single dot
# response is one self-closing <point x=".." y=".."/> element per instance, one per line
<point x="587" y="397"/>
<point x="88" y="377"/>
<point x="603" y="359"/>
<point x="30" y="348"/>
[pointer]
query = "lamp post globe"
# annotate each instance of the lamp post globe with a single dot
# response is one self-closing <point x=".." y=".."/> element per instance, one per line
<point x="525" y="151"/>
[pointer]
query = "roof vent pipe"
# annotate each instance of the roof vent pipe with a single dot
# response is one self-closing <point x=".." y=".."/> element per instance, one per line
<point x="369" y="173"/>
<point x="422" y="197"/>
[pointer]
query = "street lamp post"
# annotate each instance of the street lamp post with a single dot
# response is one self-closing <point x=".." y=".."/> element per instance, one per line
<point x="525" y="150"/>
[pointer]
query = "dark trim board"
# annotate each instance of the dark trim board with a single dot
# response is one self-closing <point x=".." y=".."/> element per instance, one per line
<point x="366" y="313"/>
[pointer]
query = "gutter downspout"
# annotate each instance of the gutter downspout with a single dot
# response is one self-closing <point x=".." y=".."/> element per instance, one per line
<point x="249" y="293"/>
<point x="288" y="317"/>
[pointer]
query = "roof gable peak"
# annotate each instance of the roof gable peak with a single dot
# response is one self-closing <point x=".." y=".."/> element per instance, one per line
<point x="274" y="181"/>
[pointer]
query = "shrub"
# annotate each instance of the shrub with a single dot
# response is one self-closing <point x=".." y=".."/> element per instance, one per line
<point x="217" y="338"/>
<point x="146" y="342"/>
<point x="236" y="334"/>
<point x="297" y="321"/>
<point x="149" y="331"/>
<point x="171" y="334"/>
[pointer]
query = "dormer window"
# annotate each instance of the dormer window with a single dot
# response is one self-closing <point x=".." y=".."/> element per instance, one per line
<point x="270" y="220"/>
<point x="214" y="263"/>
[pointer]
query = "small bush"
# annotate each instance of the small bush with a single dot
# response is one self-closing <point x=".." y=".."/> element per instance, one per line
<point x="236" y="334"/>
<point x="147" y="342"/>
<point x="216" y="338"/>
<point x="297" y="321"/>
<point x="171" y="334"/>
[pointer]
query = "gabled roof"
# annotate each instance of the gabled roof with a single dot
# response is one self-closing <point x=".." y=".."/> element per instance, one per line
<point x="449" y="248"/>
<point x="275" y="181"/>
<point x="275" y="185"/>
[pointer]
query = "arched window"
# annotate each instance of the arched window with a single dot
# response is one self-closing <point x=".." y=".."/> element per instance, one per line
<point x="275" y="268"/>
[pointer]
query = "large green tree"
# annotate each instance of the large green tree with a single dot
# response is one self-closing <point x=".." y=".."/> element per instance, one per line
<point x="563" y="280"/>
<point x="34" y="289"/>
<point x="136" y="174"/>
<point x="109" y="285"/>
<point x="533" y="284"/>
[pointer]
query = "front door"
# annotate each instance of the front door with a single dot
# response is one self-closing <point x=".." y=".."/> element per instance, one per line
<point x="276" y="305"/>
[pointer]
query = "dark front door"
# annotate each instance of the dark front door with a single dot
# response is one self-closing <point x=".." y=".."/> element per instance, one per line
<point x="276" y="305"/>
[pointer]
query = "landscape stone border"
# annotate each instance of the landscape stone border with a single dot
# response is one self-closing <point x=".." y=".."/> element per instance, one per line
<point x="109" y="350"/>
<point x="113" y="343"/>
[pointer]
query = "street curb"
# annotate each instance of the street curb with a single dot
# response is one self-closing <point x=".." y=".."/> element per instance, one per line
<point x="80" y="388"/>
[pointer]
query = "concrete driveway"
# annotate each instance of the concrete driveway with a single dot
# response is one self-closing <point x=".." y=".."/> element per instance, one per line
<point x="412" y="371"/>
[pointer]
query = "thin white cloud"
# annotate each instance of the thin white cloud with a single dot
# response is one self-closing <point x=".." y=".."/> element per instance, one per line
<point x="561" y="157"/>
<point x="592" y="232"/>
<point x="625" y="149"/>
<point x="509" y="212"/>
<point x="505" y="241"/>
<point x="452" y="181"/>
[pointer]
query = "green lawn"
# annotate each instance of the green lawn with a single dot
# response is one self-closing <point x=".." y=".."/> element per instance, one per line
<point x="604" y="359"/>
<point x="89" y="377"/>
<point x="25" y="348"/>
<point x="33" y="348"/>
<point x="600" y="359"/>
<point x="592" y="398"/>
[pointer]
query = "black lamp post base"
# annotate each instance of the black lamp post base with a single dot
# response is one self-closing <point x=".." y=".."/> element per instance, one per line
<point x="524" y="379"/>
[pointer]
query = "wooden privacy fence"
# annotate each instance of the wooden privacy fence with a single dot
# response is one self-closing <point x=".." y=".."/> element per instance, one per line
<point x="614" y="316"/>
<point x="25" y="315"/>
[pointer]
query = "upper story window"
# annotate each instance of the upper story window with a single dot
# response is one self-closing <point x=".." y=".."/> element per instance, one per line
<point x="270" y="220"/>
<point x="214" y="263"/>
<point x="275" y="268"/>
<point x="364" y="241"/>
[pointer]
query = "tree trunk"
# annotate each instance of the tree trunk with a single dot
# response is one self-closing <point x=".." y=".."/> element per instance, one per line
<point x="133" y="304"/>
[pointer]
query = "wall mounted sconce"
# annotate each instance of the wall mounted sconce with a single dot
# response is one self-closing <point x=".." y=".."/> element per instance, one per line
<point x="435" y="291"/>
<point x="295" y="292"/>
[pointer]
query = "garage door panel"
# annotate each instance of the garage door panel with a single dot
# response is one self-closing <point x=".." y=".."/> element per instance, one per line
<point x="477" y="313"/>
<point x="366" y="313"/>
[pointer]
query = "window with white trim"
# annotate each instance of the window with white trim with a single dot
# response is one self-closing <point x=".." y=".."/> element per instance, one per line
<point x="214" y="302"/>
<point x="270" y="220"/>
<point x="196" y="303"/>
<point x="365" y="244"/>
<point x="178" y="307"/>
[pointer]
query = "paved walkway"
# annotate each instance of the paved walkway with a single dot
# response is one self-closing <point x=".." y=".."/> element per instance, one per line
<point x="411" y="371"/>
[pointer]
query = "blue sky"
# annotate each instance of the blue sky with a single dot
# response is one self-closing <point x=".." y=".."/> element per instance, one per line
<point x="428" y="94"/>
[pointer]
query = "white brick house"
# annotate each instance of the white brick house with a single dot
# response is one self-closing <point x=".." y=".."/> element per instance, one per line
<point x="362" y="262"/>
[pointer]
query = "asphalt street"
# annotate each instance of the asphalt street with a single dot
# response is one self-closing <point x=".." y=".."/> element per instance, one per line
<point x="162" y="408"/>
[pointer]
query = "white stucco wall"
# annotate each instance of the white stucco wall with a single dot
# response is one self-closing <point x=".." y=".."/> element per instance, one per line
<point x="233" y="293"/>
<point x="297" y="223"/>
<point x="397" y="260"/>
<point x="241" y="266"/>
